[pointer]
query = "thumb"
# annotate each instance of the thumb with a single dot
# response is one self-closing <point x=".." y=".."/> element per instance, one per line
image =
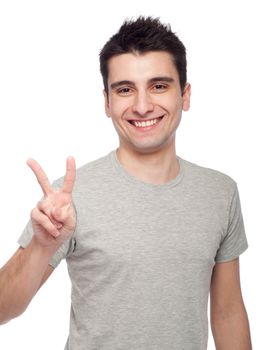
<point x="60" y="214"/>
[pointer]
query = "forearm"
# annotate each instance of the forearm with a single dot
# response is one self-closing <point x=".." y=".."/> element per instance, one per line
<point x="20" y="279"/>
<point x="232" y="332"/>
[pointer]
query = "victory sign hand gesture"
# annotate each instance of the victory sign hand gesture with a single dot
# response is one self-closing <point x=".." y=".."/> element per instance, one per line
<point x="54" y="218"/>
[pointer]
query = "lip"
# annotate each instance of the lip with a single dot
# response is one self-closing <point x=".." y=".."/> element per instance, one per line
<point x="146" y="128"/>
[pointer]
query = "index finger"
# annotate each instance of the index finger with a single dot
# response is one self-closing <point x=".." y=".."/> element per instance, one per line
<point x="70" y="176"/>
<point x="40" y="175"/>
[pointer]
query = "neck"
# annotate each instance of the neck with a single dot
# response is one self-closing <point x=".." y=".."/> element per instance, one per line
<point x="157" y="167"/>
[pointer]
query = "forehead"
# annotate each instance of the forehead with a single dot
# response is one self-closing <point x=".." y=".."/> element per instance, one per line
<point x="141" y="67"/>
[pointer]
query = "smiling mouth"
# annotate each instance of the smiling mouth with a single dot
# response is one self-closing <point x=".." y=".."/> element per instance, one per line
<point x="145" y="123"/>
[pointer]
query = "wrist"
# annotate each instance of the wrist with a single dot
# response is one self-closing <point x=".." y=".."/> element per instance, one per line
<point x="45" y="251"/>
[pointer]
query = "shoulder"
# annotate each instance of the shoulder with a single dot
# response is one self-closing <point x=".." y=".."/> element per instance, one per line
<point x="89" y="173"/>
<point x="94" y="167"/>
<point x="208" y="179"/>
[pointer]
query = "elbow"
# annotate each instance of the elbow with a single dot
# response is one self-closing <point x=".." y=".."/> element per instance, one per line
<point x="3" y="321"/>
<point x="3" y="318"/>
<point x="7" y="317"/>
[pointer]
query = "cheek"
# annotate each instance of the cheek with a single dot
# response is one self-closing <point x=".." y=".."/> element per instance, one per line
<point x="171" y="102"/>
<point x="173" y="109"/>
<point x="119" y="106"/>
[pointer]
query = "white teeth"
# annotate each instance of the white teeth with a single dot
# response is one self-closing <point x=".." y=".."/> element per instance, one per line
<point x="143" y="124"/>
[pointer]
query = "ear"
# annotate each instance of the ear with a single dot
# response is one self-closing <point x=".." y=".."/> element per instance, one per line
<point x="106" y="103"/>
<point x="186" y="97"/>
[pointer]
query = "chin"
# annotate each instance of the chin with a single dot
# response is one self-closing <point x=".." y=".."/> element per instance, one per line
<point x="148" y="149"/>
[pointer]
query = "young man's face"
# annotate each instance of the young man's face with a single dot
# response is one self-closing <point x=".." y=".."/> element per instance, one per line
<point x="145" y="87"/>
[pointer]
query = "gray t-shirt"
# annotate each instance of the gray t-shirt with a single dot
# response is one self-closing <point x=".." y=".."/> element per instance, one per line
<point x="141" y="258"/>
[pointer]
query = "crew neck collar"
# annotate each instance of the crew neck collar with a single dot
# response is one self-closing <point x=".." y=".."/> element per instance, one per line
<point x="142" y="184"/>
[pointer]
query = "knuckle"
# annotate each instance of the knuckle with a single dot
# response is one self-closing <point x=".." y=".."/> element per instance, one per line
<point x="34" y="212"/>
<point x="42" y="204"/>
<point x="45" y="207"/>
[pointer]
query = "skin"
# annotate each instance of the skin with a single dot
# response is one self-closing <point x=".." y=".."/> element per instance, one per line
<point x="228" y="316"/>
<point x="151" y="89"/>
<point x="136" y="93"/>
<point x="53" y="221"/>
<point x="151" y="156"/>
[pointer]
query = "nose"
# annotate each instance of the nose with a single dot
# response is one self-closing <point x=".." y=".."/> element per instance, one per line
<point x="142" y="104"/>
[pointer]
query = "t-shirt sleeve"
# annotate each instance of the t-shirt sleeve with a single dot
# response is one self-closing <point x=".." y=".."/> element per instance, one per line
<point x="234" y="242"/>
<point x="64" y="251"/>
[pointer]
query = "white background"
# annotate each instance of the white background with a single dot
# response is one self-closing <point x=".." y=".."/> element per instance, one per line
<point x="51" y="106"/>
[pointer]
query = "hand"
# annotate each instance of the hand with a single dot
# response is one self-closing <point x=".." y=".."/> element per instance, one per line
<point x="54" y="218"/>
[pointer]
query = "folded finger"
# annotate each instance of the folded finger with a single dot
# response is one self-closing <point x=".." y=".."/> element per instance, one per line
<point x="44" y="221"/>
<point x="46" y="209"/>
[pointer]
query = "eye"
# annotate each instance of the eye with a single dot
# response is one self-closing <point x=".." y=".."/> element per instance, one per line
<point x="159" y="87"/>
<point x="124" y="91"/>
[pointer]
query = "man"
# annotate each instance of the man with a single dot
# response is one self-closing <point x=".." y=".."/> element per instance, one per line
<point x="146" y="234"/>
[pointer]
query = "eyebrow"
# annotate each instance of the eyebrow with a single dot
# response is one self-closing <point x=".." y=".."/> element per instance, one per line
<point x="152" y="80"/>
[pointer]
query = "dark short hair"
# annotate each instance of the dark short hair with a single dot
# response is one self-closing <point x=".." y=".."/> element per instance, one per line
<point x="143" y="35"/>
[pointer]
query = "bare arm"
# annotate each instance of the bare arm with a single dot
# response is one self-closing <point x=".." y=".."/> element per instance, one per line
<point x="20" y="279"/>
<point x="53" y="222"/>
<point x="229" y="320"/>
